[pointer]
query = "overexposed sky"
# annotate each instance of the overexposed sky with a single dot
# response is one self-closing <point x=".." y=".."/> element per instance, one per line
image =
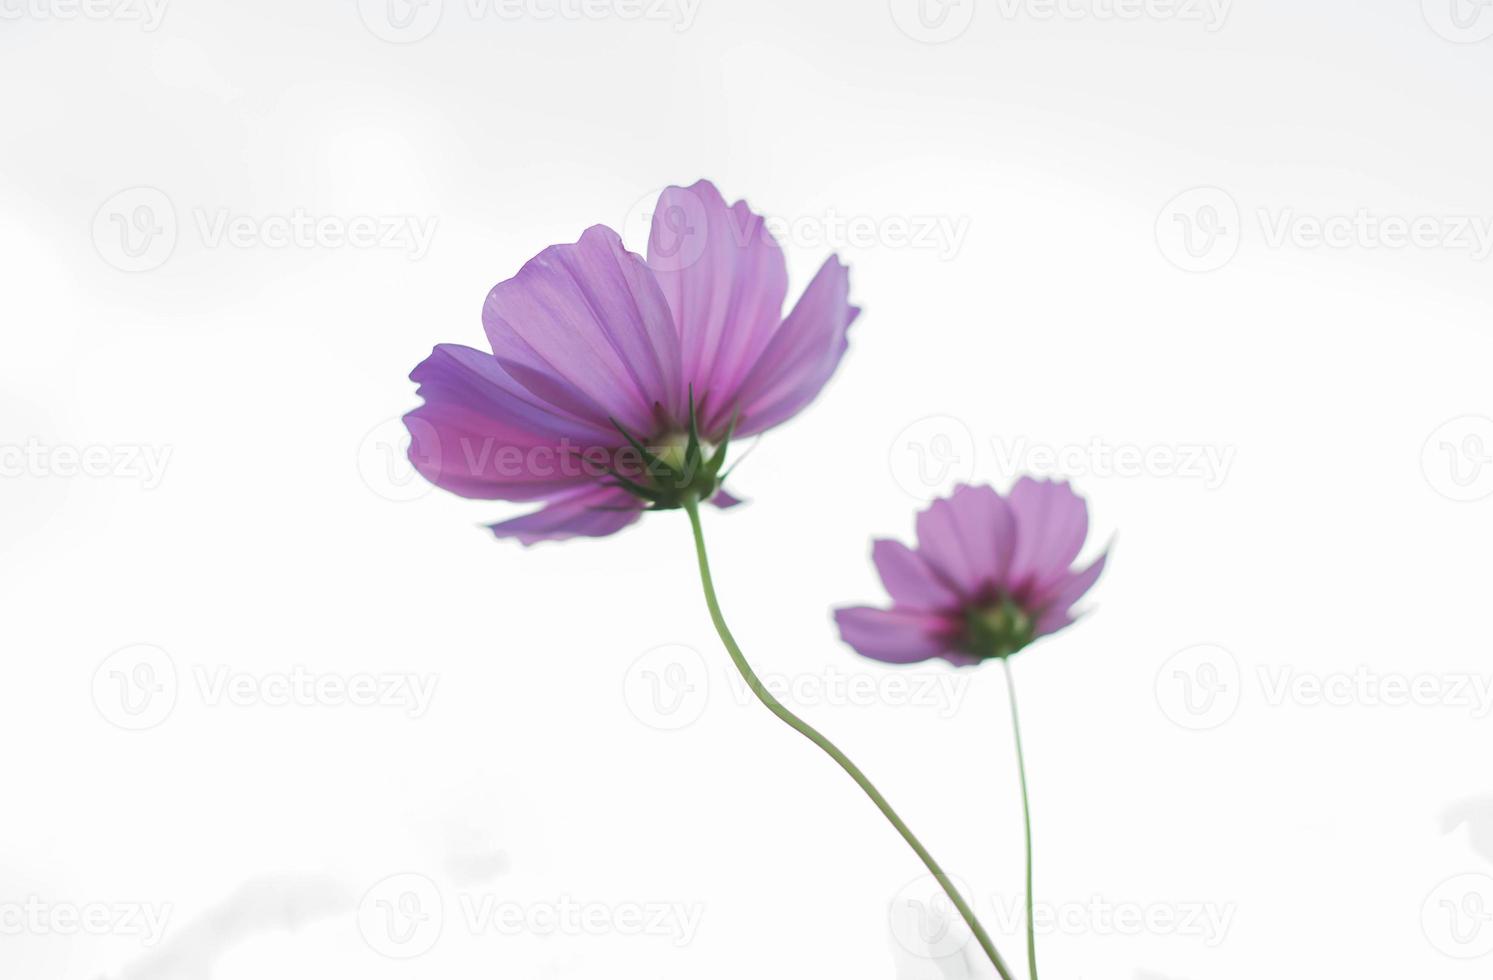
<point x="1225" y="265"/>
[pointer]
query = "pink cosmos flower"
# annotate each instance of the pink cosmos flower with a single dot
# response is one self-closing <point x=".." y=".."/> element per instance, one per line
<point x="990" y="575"/>
<point x="614" y="382"/>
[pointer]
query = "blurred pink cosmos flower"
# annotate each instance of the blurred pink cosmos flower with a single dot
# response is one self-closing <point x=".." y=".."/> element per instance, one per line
<point x="614" y="381"/>
<point x="990" y="575"/>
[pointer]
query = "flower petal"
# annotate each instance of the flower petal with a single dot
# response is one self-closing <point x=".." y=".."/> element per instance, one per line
<point x="941" y="544"/>
<point x="481" y="434"/>
<point x="594" y="512"/>
<point x="908" y="578"/>
<point x="725" y="499"/>
<point x="1051" y="524"/>
<point x="725" y="280"/>
<point x="802" y="354"/>
<point x="1057" y="605"/>
<point x="895" y="636"/>
<point x="585" y="327"/>
<point x="987" y="529"/>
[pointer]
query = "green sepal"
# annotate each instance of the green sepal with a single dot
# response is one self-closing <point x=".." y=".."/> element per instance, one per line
<point x="692" y="448"/>
<point x="650" y="458"/>
<point x="718" y="458"/>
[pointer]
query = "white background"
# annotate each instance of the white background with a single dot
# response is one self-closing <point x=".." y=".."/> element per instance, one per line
<point x="1083" y="309"/>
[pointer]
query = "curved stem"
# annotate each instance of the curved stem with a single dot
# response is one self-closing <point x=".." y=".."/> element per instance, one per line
<point x="829" y="748"/>
<point x="1026" y="815"/>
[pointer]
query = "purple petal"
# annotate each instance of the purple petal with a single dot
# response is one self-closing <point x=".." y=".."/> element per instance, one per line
<point x="895" y="636"/>
<point x="725" y="500"/>
<point x="1051" y="524"/>
<point x="941" y="544"/>
<point x="725" y="281"/>
<point x="908" y="578"/>
<point x="481" y="434"/>
<point x="592" y="513"/>
<point x="1057" y="604"/>
<point x="802" y="354"/>
<point x="988" y="533"/>
<point x="585" y="327"/>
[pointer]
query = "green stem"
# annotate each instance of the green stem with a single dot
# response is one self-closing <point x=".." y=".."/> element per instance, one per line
<point x="830" y="749"/>
<point x="1026" y="815"/>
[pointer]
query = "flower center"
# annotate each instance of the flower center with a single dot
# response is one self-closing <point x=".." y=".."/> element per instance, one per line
<point x="997" y="630"/>
<point x="679" y="467"/>
<point x="671" y="472"/>
<point x="673" y="451"/>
